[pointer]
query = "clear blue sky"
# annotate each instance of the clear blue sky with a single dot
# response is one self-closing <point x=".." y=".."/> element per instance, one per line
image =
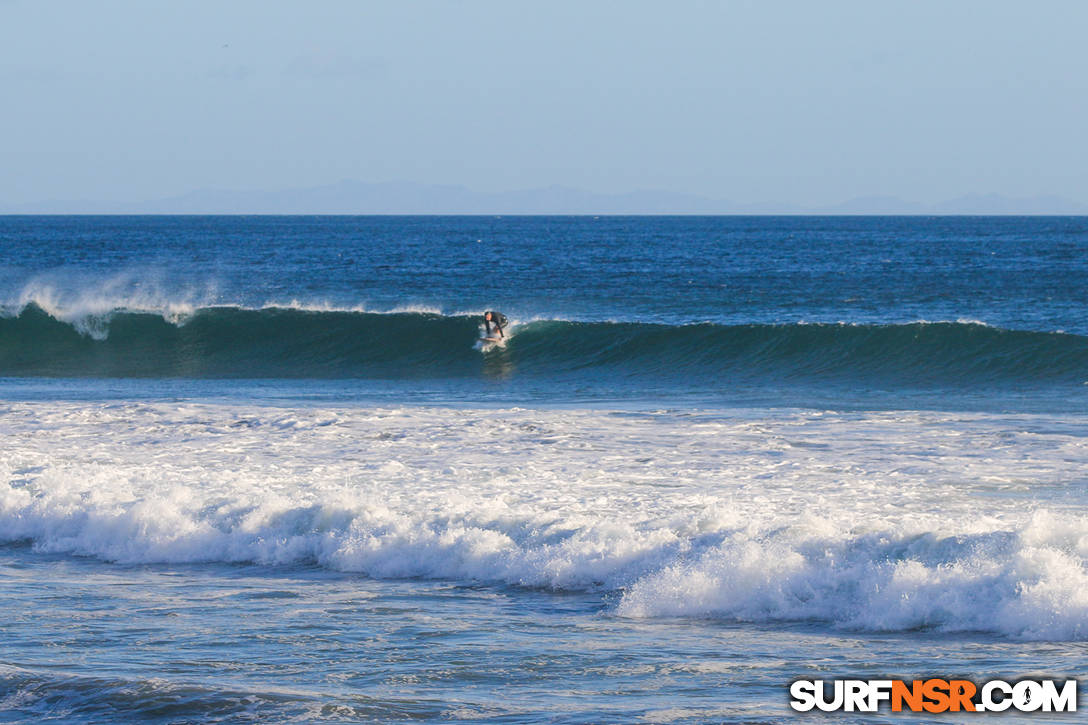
<point x="802" y="102"/>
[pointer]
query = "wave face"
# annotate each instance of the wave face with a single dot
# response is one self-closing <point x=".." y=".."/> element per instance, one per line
<point x="233" y="342"/>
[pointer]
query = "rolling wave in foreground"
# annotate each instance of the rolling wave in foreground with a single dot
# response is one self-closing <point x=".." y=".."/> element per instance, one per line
<point x="663" y="514"/>
<point x="280" y="342"/>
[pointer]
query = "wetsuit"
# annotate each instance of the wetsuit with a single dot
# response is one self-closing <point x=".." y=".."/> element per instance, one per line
<point x="498" y="319"/>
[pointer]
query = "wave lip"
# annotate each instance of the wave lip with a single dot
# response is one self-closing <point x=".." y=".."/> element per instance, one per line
<point x="236" y="342"/>
<point x="299" y="342"/>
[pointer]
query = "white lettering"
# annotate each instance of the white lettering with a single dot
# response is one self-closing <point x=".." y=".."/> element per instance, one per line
<point x="803" y="693"/>
<point x="1063" y="701"/>
<point x="1027" y="696"/>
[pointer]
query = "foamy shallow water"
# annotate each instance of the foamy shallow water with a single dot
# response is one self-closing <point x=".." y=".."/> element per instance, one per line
<point x="513" y="563"/>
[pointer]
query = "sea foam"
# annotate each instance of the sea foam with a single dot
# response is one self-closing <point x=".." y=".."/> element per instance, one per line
<point x="875" y="521"/>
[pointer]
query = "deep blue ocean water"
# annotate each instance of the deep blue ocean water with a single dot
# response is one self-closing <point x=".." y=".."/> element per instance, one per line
<point x="261" y="468"/>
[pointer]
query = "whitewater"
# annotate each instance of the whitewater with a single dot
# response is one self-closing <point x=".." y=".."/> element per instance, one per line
<point x="864" y="521"/>
<point x="258" y="469"/>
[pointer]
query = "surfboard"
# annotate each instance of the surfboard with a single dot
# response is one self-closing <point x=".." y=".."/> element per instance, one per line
<point x="487" y="344"/>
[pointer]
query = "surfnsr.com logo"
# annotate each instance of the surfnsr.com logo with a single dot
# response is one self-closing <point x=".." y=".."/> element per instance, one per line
<point x="934" y="695"/>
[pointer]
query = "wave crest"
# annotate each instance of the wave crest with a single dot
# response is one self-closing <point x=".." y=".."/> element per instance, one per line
<point x="295" y="341"/>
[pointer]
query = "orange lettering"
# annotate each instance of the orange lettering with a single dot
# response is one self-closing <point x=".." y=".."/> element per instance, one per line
<point x="961" y="692"/>
<point x="911" y="695"/>
<point x="936" y="691"/>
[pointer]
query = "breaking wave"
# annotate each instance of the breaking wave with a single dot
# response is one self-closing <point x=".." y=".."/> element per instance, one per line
<point x="294" y="342"/>
<point x="1025" y="582"/>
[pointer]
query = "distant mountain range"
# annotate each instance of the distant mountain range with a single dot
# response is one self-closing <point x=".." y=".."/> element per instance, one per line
<point x="355" y="197"/>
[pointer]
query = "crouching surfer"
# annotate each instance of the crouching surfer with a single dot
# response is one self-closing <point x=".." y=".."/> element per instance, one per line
<point x="496" y="320"/>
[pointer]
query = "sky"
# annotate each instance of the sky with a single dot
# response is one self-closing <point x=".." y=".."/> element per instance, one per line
<point x="800" y="102"/>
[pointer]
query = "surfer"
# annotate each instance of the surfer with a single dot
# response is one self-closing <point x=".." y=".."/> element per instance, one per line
<point x="497" y="319"/>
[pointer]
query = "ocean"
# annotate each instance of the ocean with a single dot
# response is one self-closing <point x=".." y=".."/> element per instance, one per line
<point x="259" y="468"/>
